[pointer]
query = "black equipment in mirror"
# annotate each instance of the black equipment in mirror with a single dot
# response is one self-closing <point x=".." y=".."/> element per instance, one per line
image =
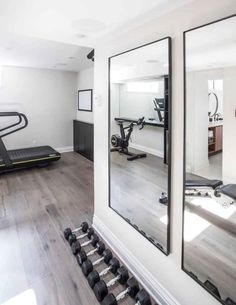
<point x="209" y="235"/>
<point x="139" y="139"/>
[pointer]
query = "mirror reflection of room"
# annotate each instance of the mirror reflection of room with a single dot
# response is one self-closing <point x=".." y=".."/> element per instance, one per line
<point x="210" y="186"/>
<point x="139" y="82"/>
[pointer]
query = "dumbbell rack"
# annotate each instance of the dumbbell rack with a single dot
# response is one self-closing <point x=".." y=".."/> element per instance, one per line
<point x="117" y="288"/>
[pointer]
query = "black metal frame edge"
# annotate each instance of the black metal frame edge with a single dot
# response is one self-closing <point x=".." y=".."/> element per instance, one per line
<point x="91" y="100"/>
<point x="184" y="149"/>
<point x="167" y="251"/>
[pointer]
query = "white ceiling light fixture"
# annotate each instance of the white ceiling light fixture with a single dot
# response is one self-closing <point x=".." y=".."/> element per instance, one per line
<point x="152" y="61"/>
<point x="80" y="36"/>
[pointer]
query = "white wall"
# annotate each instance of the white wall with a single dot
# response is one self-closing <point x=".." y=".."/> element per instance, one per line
<point x="85" y="81"/>
<point x="229" y="129"/>
<point x="197" y="121"/>
<point x="165" y="269"/>
<point x="48" y="98"/>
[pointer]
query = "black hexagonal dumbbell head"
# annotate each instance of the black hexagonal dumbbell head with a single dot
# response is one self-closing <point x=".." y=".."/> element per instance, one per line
<point x="229" y="301"/>
<point x="68" y="231"/>
<point x="143" y="298"/>
<point x="73" y="237"/>
<point x="77" y="246"/>
<point x="132" y="288"/>
<point x="101" y="288"/>
<point x="87" y="266"/>
<point x="82" y="256"/>
<point x="94" y="277"/>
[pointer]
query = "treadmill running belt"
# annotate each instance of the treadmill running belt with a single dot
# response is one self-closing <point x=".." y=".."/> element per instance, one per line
<point x="31" y="154"/>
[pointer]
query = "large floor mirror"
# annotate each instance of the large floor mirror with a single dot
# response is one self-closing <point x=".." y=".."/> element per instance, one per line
<point x="209" y="237"/>
<point x="139" y="139"/>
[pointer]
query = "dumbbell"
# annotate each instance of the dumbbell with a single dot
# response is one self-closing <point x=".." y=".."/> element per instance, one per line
<point x="141" y="297"/>
<point x="101" y="288"/>
<point x="82" y="256"/>
<point x="132" y="288"/>
<point x="84" y="228"/>
<point x="88" y="265"/>
<point x="94" y="277"/>
<point x="73" y="238"/>
<point x="77" y="246"/>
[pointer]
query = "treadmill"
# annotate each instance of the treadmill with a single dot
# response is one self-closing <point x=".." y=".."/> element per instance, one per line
<point x="11" y="160"/>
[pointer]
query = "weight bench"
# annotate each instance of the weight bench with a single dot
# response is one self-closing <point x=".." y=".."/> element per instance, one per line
<point x="203" y="183"/>
<point x="228" y="190"/>
<point x="217" y="185"/>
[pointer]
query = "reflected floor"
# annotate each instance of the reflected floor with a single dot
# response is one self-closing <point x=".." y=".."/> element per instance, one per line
<point x="135" y="190"/>
<point x="214" y="170"/>
<point x="210" y="243"/>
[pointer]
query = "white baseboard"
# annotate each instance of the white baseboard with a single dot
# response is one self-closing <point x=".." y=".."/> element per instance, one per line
<point x="148" y="281"/>
<point x="148" y="150"/>
<point x="64" y="149"/>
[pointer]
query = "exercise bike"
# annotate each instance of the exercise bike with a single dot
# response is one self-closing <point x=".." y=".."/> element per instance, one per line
<point x="120" y="142"/>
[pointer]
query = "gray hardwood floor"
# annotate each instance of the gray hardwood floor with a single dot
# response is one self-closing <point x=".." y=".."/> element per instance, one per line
<point x="35" y="206"/>
<point x="135" y="190"/>
<point x="210" y="254"/>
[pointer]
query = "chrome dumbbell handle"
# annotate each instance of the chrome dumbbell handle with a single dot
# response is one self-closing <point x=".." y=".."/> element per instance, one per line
<point x="113" y="281"/>
<point x="98" y="261"/>
<point x="105" y="271"/>
<point x="86" y="243"/>
<point x="92" y="251"/>
<point x="81" y="236"/>
<point x="76" y="230"/>
<point x="122" y="294"/>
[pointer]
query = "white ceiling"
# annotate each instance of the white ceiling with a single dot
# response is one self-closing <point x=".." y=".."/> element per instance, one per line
<point x="22" y="51"/>
<point x="212" y="47"/>
<point x="149" y="61"/>
<point x="78" y="21"/>
<point x="50" y="33"/>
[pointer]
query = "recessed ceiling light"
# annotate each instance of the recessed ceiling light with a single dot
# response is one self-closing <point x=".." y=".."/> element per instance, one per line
<point x="5" y="48"/>
<point x="152" y="61"/>
<point x="79" y="35"/>
<point x="71" y="57"/>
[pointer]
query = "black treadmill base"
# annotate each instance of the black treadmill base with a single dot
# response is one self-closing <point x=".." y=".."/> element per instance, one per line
<point x="30" y="157"/>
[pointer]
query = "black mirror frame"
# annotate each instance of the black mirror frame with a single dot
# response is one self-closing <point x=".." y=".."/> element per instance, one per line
<point x="159" y="246"/>
<point x="194" y="277"/>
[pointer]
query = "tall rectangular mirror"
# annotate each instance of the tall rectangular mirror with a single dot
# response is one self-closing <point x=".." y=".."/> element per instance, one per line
<point x="139" y="139"/>
<point x="209" y="236"/>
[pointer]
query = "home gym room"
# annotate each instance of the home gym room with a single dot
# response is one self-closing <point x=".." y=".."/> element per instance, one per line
<point x="117" y="144"/>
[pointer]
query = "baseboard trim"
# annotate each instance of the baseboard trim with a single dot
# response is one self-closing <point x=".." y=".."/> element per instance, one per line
<point x="148" y="281"/>
<point x="64" y="149"/>
<point x="148" y="150"/>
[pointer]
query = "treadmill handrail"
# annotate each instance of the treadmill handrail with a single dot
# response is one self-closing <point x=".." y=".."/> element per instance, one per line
<point x="10" y="114"/>
<point x="13" y="125"/>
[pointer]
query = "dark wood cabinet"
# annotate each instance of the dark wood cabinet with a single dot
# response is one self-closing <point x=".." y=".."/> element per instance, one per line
<point x="215" y="141"/>
<point x="83" y="138"/>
